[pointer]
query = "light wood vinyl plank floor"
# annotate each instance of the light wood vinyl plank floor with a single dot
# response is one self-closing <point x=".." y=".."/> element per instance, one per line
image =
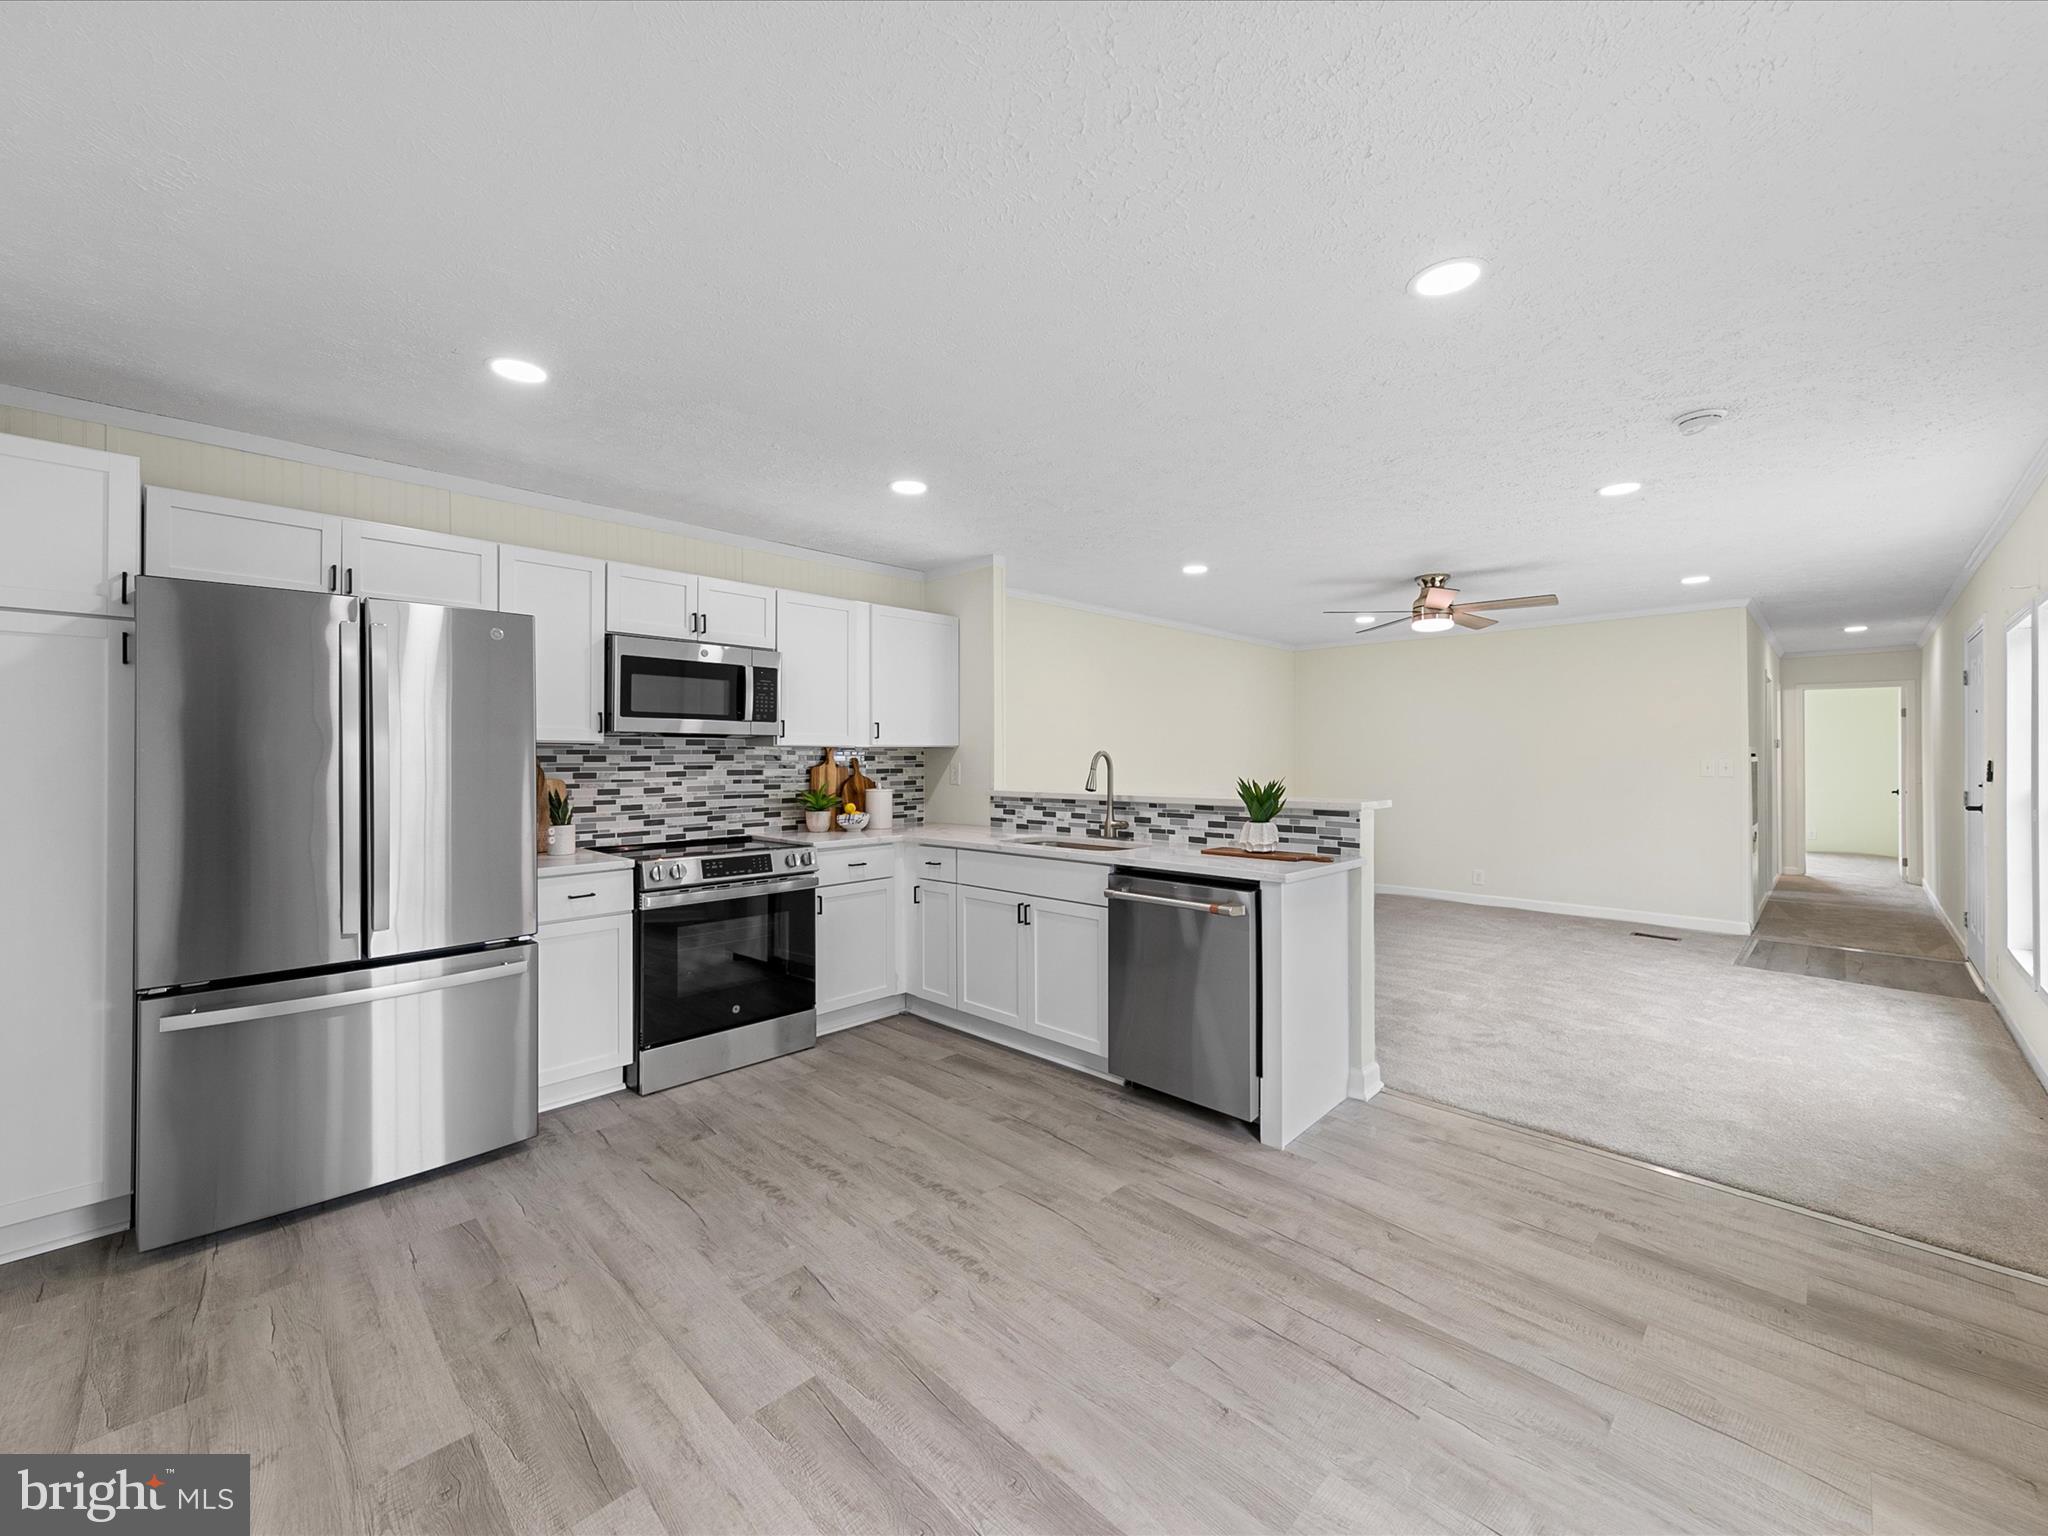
<point x="909" y="1281"/>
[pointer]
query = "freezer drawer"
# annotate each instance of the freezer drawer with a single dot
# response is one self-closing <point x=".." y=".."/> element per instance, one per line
<point x="1184" y="990"/>
<point x="260" y="1099"/>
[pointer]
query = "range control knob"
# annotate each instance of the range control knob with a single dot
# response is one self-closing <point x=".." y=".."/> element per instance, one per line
<point x="807" y="858"/>
<point x="675" y="871"/>
<point x="789" y="861"/>
<point x="654" y="873"/>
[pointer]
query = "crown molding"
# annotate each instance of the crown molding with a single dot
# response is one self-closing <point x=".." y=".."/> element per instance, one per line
<point x="351" y="463"/>
<point x="2009" y="510"/>
<point x="962" y="567"/>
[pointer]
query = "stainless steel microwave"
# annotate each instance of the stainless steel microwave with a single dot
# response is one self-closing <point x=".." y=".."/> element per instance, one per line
<point x="689" y="688"/>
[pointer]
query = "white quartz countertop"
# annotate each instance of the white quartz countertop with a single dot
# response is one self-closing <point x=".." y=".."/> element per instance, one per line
<point x="584" y="861"/>
<point x="1163" y="857"/>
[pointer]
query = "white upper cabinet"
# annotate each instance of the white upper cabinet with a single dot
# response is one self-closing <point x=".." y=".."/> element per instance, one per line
<point x="824" y="681"/>
<point x="645" y="600"/>
<point x="565" y="596"/>
<point x="735" y="613"/>
<point x="914" y="667"/>
<point x="413" y="565"/>
<point x="642" y="600"/>
<point x="71" y="523"/>
<point x="216" y="538"/>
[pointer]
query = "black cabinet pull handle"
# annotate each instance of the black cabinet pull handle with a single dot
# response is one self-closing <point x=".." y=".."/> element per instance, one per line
<point x="1020" y="911"/>
<point x="878" y="730"/>
<point x="1027" y="914"/>
<point x="350" y="589"/>
<point x="821" y="905"/>
<point x="333" y="578"/>
<point x="125" y="598"/>
<point x="582" y="895"/>
<point x="858" y="864"/>
<point x="917" y="895"/>
<point x="127" y="657"/>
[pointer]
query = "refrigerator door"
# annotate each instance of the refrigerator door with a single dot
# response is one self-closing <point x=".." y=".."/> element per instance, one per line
<point x="247" y="847"/>
<point x="259" y="1099"/>
<point x="448" y="722"/>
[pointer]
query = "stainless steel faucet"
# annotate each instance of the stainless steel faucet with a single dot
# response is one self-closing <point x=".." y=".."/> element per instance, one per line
<point x="1109" y="826"/>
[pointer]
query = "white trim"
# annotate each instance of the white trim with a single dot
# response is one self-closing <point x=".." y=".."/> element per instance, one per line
<point x="574" y="1090"/>
<point x="1145" y="618"/>
<point x="860" y="1013"/>
<point x="1756" y="612"/>
<point x="1730" y="1189"/>
<point x="1009" y="1039"/>
<point x="1362" y="1087"/>
<point x="306" y="453"/>
<point x="962" y="567"/>
<point x="2034" y="1063"/>
<point x="1730" y="925"/>
<point x="1868" y="650"/>
<point x="60" y="1229"/>
<point x="2016" y="502"/>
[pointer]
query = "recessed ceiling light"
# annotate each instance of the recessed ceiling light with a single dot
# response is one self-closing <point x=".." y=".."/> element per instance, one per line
<point x="1194" y="570"/>
<point x="518" y="370"/>
<point x="1854" y="629"/>
<point x="1622" y="488"/>
<point x="1694" y="581"/>
<point x="1431" y="624"/>
<point x="1446" y="277"/>
<point x="908" y="487"/>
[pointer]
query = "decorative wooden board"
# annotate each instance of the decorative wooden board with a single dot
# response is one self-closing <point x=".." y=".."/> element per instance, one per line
<point x="1277" y="856"/>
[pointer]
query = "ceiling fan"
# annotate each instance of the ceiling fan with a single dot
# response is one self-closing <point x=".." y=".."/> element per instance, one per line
<point x="1436" y="608"/>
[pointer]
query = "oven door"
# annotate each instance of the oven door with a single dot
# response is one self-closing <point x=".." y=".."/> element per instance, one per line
<point x="727" y="976"/>
<point x="679" y="687"/>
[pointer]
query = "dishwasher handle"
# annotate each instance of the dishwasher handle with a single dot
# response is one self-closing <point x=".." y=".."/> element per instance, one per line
<point x="1213" y="908"/>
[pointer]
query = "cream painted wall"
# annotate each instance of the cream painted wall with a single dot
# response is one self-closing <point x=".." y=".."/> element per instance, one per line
<point x="1765" y="684"/>
<point x="283" y="481"/>
<point x="2014" y="572"/>
<point x="1852" y="667"/>
<point x="1181" y="713"/>
<point x="978" y="598"/>
<point x="1852" y="769"/>
<point x="1564" y="761"/>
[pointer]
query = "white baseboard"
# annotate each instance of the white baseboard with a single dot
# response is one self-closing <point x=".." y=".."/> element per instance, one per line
<point x="574" y="1090"/>
<point x="2027" y="1053"/>
<point x="1729" y="925"/>
<point x="1364" y="1085"/>
<point x="858" y="1014"/>
<point x="60" y="1229"/>
<point x="1010" y="1039"/>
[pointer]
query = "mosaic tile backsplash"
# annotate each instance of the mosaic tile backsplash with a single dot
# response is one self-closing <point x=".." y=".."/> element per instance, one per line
<point x="634" y="788"/>
<point x="1331" y="829"/>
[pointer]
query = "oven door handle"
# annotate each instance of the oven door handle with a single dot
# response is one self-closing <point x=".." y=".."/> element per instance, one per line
<point x="654" y="903"/>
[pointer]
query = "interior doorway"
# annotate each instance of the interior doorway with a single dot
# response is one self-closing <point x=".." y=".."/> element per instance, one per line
<point x="1854" y="761"/>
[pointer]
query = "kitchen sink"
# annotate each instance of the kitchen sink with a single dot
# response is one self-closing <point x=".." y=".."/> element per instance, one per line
<point x="1086" y="844"/>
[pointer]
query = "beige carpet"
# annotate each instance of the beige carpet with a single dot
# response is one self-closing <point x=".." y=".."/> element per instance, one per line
<point x="1913" y="1113"/>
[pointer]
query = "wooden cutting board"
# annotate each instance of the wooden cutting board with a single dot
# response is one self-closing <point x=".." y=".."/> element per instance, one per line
<point x="1278" y="856"/>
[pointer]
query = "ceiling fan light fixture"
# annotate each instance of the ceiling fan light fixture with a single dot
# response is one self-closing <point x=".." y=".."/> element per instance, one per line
<point x="1432" y="623"/>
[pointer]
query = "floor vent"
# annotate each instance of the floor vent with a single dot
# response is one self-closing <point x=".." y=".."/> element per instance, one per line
<point x="1668" y="938"/>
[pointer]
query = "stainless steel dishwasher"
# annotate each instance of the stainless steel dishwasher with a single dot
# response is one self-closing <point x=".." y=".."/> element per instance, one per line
<point x="1184" y="989"/>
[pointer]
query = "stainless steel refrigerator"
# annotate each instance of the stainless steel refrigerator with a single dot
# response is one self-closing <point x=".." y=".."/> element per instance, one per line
<point x="334" y="901"/>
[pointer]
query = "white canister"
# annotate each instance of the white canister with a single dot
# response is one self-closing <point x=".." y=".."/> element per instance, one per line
<point x="881" y="809"/>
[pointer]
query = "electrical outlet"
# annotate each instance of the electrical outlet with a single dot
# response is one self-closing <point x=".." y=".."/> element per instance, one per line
<point x="953" y="772"/>
<point x="1479" y="877"/>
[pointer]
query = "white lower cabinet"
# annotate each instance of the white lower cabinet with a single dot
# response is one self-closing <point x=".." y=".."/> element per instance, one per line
<point x="856" y="944"/>
<point x="932" y="957"/>
<point x="586" y="987"/>
<point x="991" y="971"/>
<point x="1037" y="964"/>
<point x="66" y="947"/>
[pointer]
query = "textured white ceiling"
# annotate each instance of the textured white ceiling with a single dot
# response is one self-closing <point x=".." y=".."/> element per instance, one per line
<point x="1125" y="284"/>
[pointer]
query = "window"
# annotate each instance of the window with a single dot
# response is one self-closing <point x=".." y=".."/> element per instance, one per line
<point x="2022" y="689"/>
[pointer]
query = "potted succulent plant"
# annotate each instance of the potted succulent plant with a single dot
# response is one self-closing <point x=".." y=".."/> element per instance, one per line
<point x="561" y="828"/>
<point x="818" y="804"/>
<point x="1262" y="802"/>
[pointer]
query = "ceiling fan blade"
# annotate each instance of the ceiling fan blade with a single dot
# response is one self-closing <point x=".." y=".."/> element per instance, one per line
<point x="1466" y="619"/>
<point x="1542" y="600"/>
<point x="1439" y="598"/>
<point x="1367" y="610"/>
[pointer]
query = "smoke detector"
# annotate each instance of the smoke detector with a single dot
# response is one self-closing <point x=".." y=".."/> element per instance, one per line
<point x="1693" y="423"/>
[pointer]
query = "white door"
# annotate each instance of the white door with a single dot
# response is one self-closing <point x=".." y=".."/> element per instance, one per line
<point x="824" y="682"/>
<point x="934" y="949"/>
<point x="565" y="596"/>
<point x="856" y="944"/>
<point x="65" y="940"/>
<point x="71" y="526"/>
<point x="216" y="538"/>
<point x="414" y="565"/>
<point x="914" y="677"/>
<point x="1974" y="764"/>
<point x="735" y="613"/>
<point x="645" y="600"/>
<point x="1066" y="973"/>
<point x="991" y="970"/>
<point x="586" y="998"/>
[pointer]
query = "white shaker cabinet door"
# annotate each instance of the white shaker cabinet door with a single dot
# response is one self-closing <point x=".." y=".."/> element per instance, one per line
<point x="565" y="596"/>
<point x="70" y="526"/>
<point x="1066" y="961"/>
<point x="856" y="944"/>
<point x="934" y="950"/>
<point x="823" y="642"/>
<point x="735" y="613"/>
<point x="991" y="970"/>
<point x="586" y="998"/>
<point x="914" y="672"/>
<point x="216" y="538"/>
<point x="415" y="565"/>
<point x="645" y="600"/>
<point x="66" y="944"/>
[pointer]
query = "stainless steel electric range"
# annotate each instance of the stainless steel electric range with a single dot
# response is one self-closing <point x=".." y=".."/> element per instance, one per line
<point x="725" y="968"/>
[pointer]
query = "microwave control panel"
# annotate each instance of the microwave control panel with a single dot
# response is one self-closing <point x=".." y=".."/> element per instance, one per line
<point x="765" y="693"/>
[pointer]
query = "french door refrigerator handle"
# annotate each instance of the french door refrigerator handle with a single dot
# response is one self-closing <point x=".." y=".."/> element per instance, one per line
<point x="350" y="685"/>
<point x="327" y="1002"/>
<point x="378" y="673"/>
